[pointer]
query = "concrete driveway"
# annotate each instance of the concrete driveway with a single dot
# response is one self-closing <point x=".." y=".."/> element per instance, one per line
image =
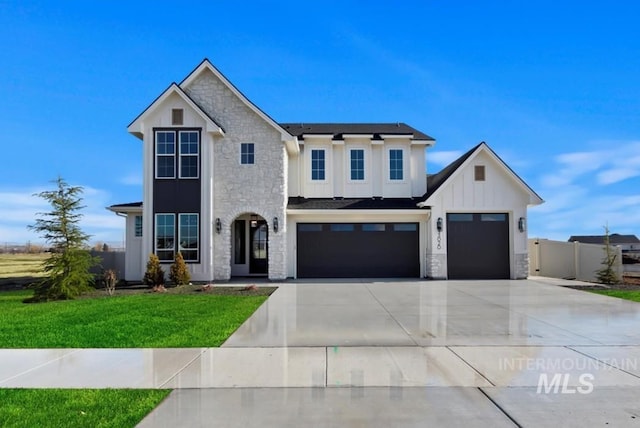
<point x="387" y="353"/>
<point x="456" y="353"/>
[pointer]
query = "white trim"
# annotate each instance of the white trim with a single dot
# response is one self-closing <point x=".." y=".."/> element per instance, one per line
<point x="318" y="180"/>
<point x="387" y="166"/>
<point x="156" y="155"/>
<point x="365" y="171"/>
<point x="155" y="237"/>
<point x="180" y="155"/>
<point x="198" y="237"/>
<point x="137" y="127"/>
<point x="359" y="136"/>
<point x="396" y="136"/>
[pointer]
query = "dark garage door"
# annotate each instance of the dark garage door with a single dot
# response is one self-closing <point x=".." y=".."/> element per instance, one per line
<point x="358" y="250"/>
<point x="478" y="246"/>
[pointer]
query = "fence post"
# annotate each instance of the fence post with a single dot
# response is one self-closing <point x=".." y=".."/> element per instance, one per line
<point x="576" y="259"/>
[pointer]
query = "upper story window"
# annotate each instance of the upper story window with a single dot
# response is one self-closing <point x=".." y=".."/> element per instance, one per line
<point x="138" y="226"/>
<point x="396" y="164"/>
<point x="247" y="154"/>
<point x="165" y="154"/>
<point x="189" y="154"/>
<point x="317" y="164"/>
<point x="479" y="173"/>
<point x="357" y="164"/>
<point x="165" y="237"/>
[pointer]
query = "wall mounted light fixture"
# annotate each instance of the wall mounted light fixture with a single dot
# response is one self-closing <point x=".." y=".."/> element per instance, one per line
<point x="275" y="224"/>
<point x="218" y="225"/>
<point x="439" y="224"/>
<point x="522" y="224"/>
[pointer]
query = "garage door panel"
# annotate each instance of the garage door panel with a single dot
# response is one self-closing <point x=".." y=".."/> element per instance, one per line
<point x="478" y="246"/>
<point x="371" y="250"/>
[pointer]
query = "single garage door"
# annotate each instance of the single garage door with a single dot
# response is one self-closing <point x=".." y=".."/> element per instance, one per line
<point x="478" y="246"/>
<point x="358" y="250"/>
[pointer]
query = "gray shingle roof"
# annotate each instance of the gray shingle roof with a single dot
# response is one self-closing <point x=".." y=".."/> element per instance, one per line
<point x="352" y="203"/>
<point x="340" y="129"/>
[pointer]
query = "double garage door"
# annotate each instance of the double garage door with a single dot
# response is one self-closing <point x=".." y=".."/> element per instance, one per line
<point x="358" y="250"/>
<point x="478" y="246"/>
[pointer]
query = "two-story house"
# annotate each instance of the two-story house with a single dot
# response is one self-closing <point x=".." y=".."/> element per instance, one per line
<point x="239" y="194"/>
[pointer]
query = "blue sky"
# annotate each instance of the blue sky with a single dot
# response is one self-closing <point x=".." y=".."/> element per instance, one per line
<point x="554" y="89"/>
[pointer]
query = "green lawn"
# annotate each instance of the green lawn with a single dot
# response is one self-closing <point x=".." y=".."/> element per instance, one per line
<point x="145" y="320"/>
<point x="633" y="295"/>
<point x="76" y="408"/>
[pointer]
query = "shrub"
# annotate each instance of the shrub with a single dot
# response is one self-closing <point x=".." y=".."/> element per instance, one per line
<point x="154" y="276"/>
<point x="179" y="273"/>
<point x="110" y="280"/>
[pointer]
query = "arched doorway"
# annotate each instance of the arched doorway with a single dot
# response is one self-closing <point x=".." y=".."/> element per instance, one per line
<point x="249" y="246"/>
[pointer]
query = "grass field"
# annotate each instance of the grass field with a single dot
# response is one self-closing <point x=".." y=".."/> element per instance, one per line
<point x="147" y="320"/>
<point x="21" y="265"/>
<point x="76" y="408"/>
<point x="633" y="295"/>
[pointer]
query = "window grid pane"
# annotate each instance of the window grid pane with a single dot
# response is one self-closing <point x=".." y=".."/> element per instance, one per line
<point x="357" y="164"/>
<point x="138" y="226"/>
<point x="317" y="165"/>
<point x="395" y="164"/>
<point x="247" y="153"/>
<point x="165" y="236"/>
<point x="189" y="236"/>
<point x="165" y="154"/>
<point x="189" y="154"/>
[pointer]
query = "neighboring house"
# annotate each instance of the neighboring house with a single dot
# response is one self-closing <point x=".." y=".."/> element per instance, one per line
<point x="239" y="194"/>
<point x="627" y="243"/>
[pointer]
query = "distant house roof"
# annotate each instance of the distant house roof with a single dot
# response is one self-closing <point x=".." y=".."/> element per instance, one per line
<point x="614" y="238"/>
<point x="338" y="130"/>
<point x="299" y="203"/>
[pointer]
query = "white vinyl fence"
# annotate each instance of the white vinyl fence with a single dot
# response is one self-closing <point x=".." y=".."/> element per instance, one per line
<point x="568" y="260"/>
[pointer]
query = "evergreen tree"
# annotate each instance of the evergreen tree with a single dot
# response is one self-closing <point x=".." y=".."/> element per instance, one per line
<point x="607" y="275"/>
<point x="179" y="273"/>
<point x="154" y="275"/>
<point x="67" y="267"/>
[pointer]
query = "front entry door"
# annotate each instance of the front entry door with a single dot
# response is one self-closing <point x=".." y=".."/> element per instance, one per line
<point x="259" y="245"/>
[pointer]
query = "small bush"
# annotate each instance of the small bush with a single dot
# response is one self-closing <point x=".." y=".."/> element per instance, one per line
<point x="179" y="273"/>
<point x="110" y="280"/>
<point x="154" y="276"/>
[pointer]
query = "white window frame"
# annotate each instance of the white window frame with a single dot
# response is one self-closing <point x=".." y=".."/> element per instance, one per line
<point x="404" y="165"/>
<point x="155" y="238"/>
<point x="253" y="153"/>
<point x="182" y="155"/>
<point x="324" y="169"/>
<point x="181" y="249"/>
<point x="364" y="165"/>
<point x="138" y="227"/>
<point x="157" y="155"/>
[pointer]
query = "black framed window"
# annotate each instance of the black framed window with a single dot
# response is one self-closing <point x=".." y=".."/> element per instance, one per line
<point x="357" y="164"/>
<point x="189" y="154"/>
<point x="165" y="237"/>
<point x="247" y="154"/>
<point x="165" y="154"/>
<point x="189" y="238"/>
<point x="138" y="226"/>
<point x="317" y="164"/>
<point x="396" y="164"/>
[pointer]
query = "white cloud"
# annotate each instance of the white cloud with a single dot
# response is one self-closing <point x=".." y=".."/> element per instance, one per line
<point x="132" y="179"/>
<point x="442" y="158"/>
<point x="19" y="208"/>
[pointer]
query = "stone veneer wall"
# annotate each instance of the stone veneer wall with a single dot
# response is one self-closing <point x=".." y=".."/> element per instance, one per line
<point x="521" y="266"/>
<point x="436" y="266"/>
<point x="239" y="189"/>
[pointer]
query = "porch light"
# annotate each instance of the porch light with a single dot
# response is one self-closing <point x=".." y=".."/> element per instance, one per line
<point x="218" y="225"/>
<point x="439" y="224"/>
<point x="275" y="224"/>
<point x="522" y="224"/>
